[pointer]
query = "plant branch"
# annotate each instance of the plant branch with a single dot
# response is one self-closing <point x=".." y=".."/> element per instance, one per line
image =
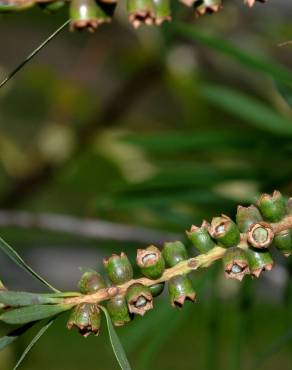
<point x="201" y="261"/>
<point x="184" y="267"/>
<point x="89" y="228"/>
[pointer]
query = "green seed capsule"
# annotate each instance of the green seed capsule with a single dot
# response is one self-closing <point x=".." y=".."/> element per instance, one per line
<point x="173" y="253"/>
<point x="141" y="11"/>
<point x="246" y="216"/>
<point x="259" y="260"/>
<point x="118" y="268"/>
<point x="162" y="11"/>
<point x="7" y="6"/>
<point x="83" y="14"/>
<point x="200" y="237"/>
<point x="180" y="289"/>
<point x="273" y="207"/>
<point x="118" y="310"/>
<point x="260" y="235"/>
<point x="156" y="289"/>
<point x="225" y="231"/>
<point x="207" y="6"/>
<point x="90" y="282"/>
<point x="139" y="299"/>
<point x="86" y="318"/>
<point x="283" y="242"/>
<point x="151" y="262"/>
<point x="235" y="263"/>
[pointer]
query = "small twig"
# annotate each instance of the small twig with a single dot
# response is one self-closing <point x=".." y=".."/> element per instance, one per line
<point x="184" y="267"/>
<point x="89" y="228"/>
<point x="285" y="43"/>
<point x="34" y="53"/>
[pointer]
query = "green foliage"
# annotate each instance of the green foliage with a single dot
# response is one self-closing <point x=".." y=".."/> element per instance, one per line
<point x="207" y="133"/>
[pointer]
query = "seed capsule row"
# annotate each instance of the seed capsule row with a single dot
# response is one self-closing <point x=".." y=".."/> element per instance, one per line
<point x="247" y="242"/>
<point x="138" y="298"/>
<point x="249" y="255"/>
<point x="90" y="14"/>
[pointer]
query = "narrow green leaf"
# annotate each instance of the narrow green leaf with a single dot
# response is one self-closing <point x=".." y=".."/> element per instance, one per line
<point x="11" y="253"/>
<point x="17" y="299"/>
<point x="257" y="63"/>
<point x="34" y="53"/>
<point x="250" y="109"/>
<point x="27" y="314"/>
<point x="13" y="335"/>
<point x="33" y="342"/>
<point x="116" y="344"/>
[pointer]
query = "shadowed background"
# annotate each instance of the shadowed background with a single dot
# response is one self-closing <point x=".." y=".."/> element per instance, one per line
<point x="115" y="140"/>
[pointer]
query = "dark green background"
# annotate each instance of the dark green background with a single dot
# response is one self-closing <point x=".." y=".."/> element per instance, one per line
<point x="158" y="128"/>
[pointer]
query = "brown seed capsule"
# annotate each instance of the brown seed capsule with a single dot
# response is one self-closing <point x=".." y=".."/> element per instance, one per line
<point x="260" y="235"/>
<point x="86" y="318"/>
<point x="139" y="299"/>
<point x="236" y="264"/>
<point x="151" y="262"/>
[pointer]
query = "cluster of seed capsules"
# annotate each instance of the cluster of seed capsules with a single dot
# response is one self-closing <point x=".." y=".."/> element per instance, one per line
<point x="247" y="242"/>
<point x="90" y="14"/>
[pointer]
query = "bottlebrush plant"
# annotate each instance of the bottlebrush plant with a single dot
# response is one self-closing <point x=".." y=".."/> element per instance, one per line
<point x="243" y="245"/>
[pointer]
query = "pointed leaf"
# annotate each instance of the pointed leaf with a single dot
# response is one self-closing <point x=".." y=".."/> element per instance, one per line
<point x="116" y="344"/>
<point x="11" y="253"/>
<point x="33" y="342"/>
<point x="18" y="299"/>
<point x="13" y="335"/>
<point x="257" y="63"/>
<point x="33" y="313"/>
<point x="250" y="109"/>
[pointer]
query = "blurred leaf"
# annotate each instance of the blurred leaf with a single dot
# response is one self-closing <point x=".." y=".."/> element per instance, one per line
<point x="258" y="63"/>
<point x="285" y="92"/>
<point x="13" y="335"/>
<point x="33" y="313"/>
<point x="116" y="344"/>
<point x="15" y="299"/>
<point x="273" y="348"/>
<point x="169" y="323"/>
<point x="193" y="141"/>
<point x="33" y="342"/>
<point x="11" y="253"/>
<point x="255" y="112"/>
<point x="146" y="325"/>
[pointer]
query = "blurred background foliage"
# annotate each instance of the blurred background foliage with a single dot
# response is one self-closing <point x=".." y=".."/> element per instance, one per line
<point x="157" y="129"/>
